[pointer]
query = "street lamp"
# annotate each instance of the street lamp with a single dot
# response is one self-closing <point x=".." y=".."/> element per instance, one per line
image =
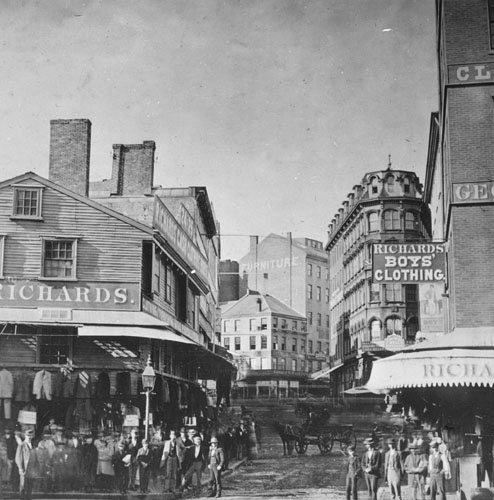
<point x="148" y="380"/>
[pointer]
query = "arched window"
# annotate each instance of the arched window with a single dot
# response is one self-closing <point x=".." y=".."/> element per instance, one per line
<point x="390" y="184"/>
<point x="373" y="222"/>
<point x="411" y="222"/>
<point x="412" y="328"/>
<point x="391" y="220"/>
<point x="375" y="328"/>
<point x="374" y="185"/>
<point x="393" y="326"/>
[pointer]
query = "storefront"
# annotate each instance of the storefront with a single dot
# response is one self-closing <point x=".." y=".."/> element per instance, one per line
<point x="445" y="387"/>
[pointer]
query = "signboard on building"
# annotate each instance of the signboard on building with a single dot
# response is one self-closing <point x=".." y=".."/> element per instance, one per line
<point x="473" y="192"/>
<point x="471" y="73"/>
<point x="431" y="307"/>
<point x="408" y="262"/>
<point x="80" y="295"/>
<point x="179" y="238"/>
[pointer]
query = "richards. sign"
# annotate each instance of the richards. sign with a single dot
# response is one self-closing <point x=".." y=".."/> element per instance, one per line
<point x="408" y="262"/>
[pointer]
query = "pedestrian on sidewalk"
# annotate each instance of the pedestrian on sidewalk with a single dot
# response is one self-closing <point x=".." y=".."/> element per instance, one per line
<point x="353" y="467"/>
<point x="371" y="464"/>
<point x="416" y="468"/>
<point x="393" y="470"/>
<point x="197" y="457"/>
<point x="89" y="463"/>
<point x="216" y="462"/>
<point x="121" y="463"/>
<point x="144" y="457"/>
<point x="438" y="470"/>
<point x="170" y="461"/>
<point x="24" y="455"/>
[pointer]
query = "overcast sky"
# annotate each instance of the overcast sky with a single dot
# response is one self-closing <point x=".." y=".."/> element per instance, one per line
<point x="277" y="106"/>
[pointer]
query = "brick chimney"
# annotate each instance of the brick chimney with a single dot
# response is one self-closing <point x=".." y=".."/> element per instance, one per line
<point x="133" y="168"/>
<point x="70" y="148"/>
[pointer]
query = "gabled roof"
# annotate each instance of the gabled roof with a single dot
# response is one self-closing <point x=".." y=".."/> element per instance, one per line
<point x="78" y="197"/>
<point x="255" y="303"/>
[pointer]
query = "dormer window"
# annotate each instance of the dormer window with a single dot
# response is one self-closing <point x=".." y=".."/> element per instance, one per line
<point x="27" y="202"/>
<point x="406" y="185"/>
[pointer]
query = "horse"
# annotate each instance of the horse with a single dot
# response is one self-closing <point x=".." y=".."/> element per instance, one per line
<point x="285" y="431"/>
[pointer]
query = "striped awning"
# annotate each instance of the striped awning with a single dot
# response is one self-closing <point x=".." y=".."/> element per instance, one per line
<point x="132" y="331"/>
<point x="433" y="368"/>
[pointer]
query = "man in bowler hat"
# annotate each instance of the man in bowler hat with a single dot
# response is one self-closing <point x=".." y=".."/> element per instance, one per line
<point x="371" y="464"/>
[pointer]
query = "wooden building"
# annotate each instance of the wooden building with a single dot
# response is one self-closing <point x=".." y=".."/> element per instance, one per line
<point x="88" y="292"/>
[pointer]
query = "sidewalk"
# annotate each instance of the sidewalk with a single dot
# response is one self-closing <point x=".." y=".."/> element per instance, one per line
<point x="156" y="491"/>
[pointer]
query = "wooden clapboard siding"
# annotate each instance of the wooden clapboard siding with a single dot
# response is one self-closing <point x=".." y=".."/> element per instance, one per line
<point x="109" y="249"/>
<point x="14" y="351"/>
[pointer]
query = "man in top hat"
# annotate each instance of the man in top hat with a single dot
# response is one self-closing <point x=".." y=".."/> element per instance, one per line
<point x="393" y="470"/>
<point x="371" y="465"/>
<point x="216" y="462"/>
<point x="416" y="468"/>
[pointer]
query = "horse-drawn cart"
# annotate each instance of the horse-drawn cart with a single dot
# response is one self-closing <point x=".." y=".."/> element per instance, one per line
<point x="324" y="437"/>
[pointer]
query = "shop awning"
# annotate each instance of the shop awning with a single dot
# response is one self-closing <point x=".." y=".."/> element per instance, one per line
<point x="433" y="368"/>
<point x="132" y="331"/>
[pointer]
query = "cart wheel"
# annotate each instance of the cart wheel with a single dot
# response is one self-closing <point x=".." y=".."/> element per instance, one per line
<point x="301" y="446"/>
<point x="325" y="444"/>
<point x="347" y="438"/>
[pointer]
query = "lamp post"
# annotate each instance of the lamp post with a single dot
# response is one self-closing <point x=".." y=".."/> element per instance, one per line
<point x="148" y="380"/>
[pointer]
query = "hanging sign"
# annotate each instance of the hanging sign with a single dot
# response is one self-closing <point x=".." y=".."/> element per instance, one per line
<point x="131" y="421"/>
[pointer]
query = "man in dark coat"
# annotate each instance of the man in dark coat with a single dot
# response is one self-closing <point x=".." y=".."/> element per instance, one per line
<point x="121" y="463"/>
<point x="144" y="457"/>
<point x="196" y="456"/>
<point x="371" y="464"/>
<point x="216" y="462"/>
<point x="353" y="468"/>
<point x="89" y="463"/>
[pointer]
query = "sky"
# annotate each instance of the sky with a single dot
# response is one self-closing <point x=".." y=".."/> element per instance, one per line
<point x="278" y="107"/>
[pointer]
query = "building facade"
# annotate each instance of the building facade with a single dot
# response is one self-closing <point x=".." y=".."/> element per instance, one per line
<point x="89" y="293"/>
<point x="268" y="340"/>
<point x="370" y="320"/>
<point x="294" y="270"/>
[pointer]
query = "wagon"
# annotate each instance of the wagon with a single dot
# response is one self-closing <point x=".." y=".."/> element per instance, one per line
<point x="324" y="437"/>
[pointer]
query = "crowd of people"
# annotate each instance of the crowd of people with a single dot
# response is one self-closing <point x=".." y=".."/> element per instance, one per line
<point x="425" y="462"/>
<point x="59" y="460"/>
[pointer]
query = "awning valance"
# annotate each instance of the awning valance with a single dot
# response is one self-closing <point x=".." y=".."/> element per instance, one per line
<point x="444" y="367"/>
<point x="132" y="331"/>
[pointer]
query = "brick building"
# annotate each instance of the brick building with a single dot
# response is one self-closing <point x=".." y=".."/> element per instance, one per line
<point x="88" y="292"/>
<point x="268" y="341"/>
<point x="446" y="384"/>
<point x="295" y="271"/>
<point x="370" y="320"/>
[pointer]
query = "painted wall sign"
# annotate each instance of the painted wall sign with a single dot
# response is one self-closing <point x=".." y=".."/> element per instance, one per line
<point x="473" y="192"/>
<point x="408" y="262"/>
<point x="471" y="73"/>
<point x="167" y="225"/>
<point x="431" y="307"/>
<point x="265" y="265"/>
<point x="79" y="295"/>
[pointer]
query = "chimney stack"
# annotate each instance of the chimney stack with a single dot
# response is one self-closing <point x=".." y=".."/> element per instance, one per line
<point x="133" y="168"/>
<point x="70" y="148"/>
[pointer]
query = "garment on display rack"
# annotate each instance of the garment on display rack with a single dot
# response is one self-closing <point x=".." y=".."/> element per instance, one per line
<point x="42" y="385"/>
<point x="6" y="392"/>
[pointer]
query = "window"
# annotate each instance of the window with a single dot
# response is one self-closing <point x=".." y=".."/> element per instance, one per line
<point x="310" y="346"/>
<point x="373" y="222"/>
<point x="2" y="253"/>
<point x="236" y="325"/>
<point x="411" y="293"/>
<point x="294" y="365"/>
<point x="54" y="349"/>
<point x="27" y="202"/>
<point x="318" y="293"/>
<point x="309" y="269"/>
<point x="294" y="325"/>
<point x="375" y="330"/>
<point x="406" y="185"/>
<point x="319" y="366"/>
<point x="310" y="365"/>
<point x="283" y="343"/>
<point x="391" y="220"/>
<point x="252" y="342"/>
<point x="59" y="258"/>
<point x="309" y="292"/>
<point x="393" y="292"/>
<point x="275" y="342"/>
<point x="253" y="324"/>
<point x="327" y="274"/>
<point x="274" y="363"/>
<point x="237" y="343"/>
<point x="327" y="320"/>
<point x="264" y="323"/>
<point x="168" y="284"/>
<point x="375" y="295"/>
<point x="326" y="295"/>
<point x="319" y="319"/>
<point x="275" y="322"/>
<point x="294" y="345"/>
<point x="282" y="363"/>
<point x="411" y="222"/>
<point x="319" y="347"/>
<point x="318" y="271"/>
<point x="227" y="324"/>
<point x="309" y="318"/>
<point x="264" y="341"/>
<point x="390" y="184"/>
<point x="412" y="328"/>
<point x="302" y="346"/>
<point x="393" y="326"/>
<point x="226" y="343"/>
<point x="374" y="185"/>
